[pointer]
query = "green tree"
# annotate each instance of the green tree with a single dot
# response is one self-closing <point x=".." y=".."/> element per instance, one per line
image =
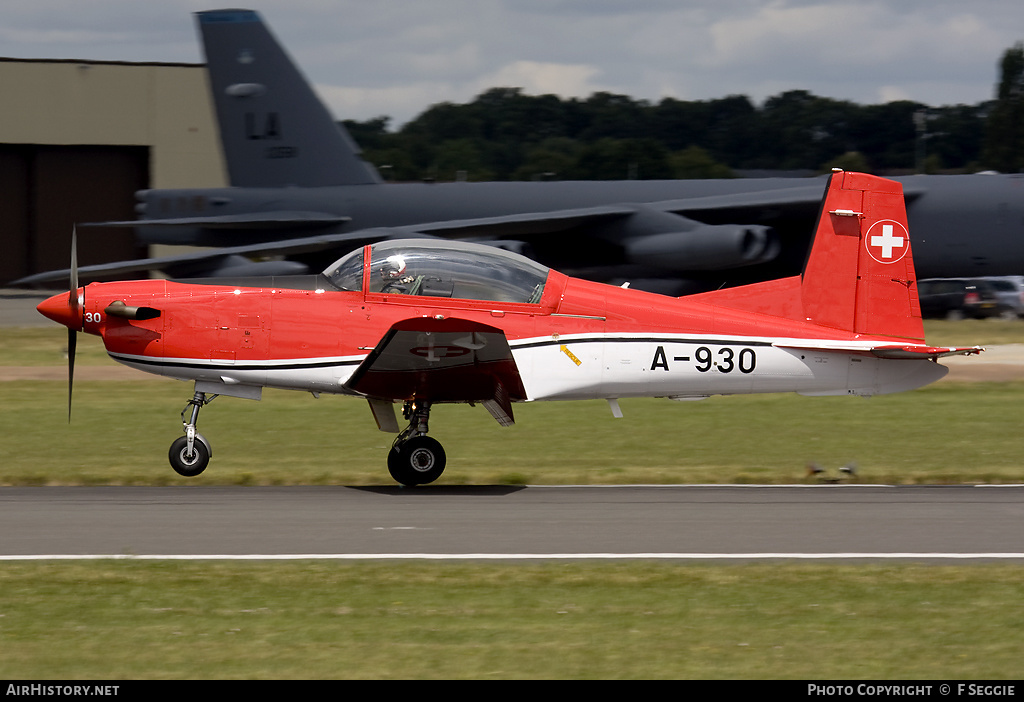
<point x="462" y="159"/>
<point x="1004" y="130"/>
<point x="371" y="134"/>
<point x="954" y="134"/>
<point x="850" y="161"/>
<point x="504" y="134"/>
<point x="552" y="159"/>
<point x="623" y="159"/>
<point x="800" y="129"/>
<point x="694" y="162"/>
<point x="886" y="134"/>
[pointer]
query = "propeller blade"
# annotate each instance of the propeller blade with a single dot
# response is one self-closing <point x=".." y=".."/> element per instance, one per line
<point x="72" y="344"/>
<point x="73" y="294"/>
<point x="73" y="304"/>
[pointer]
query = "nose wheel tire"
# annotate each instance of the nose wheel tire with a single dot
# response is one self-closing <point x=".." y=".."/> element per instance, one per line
<point x="188" y="465"/>
<point x="416" y="461"/>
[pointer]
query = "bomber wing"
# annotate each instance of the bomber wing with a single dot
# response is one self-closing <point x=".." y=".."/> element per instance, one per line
<point x="249" y="220"/>
<point x="698" y="231"/>
<point x="440" y="360"/>
<point x="208" y="258"/>
<point x="205" y="259"/>
<point x="746" y="202"/>
<point x="802" y="196"/>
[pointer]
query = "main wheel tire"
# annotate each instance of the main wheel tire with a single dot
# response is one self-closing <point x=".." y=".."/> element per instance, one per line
<point x="416" y="461"/>
<point x="182" y="463"/>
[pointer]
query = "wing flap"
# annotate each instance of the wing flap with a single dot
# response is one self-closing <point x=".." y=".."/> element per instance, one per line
<point x="442" y="360"/>
<point x="384" y="414"/>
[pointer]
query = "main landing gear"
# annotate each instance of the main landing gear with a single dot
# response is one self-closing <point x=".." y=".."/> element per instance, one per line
<point x="190" y="454"/>
<point x="415" y="458"/>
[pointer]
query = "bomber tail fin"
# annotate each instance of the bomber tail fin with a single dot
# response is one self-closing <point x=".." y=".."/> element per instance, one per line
<point x="859" y="275"/>
<point x="274" y="129"/>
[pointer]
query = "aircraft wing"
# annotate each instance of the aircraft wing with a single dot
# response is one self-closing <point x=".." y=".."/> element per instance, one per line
<point x="251" y="220"/>
<point x="800" y="196"/>
<point x="724" y="246"/>
<point x="207" y="258"/>
<point x="504" y="224"/>
<point x="520" y="224"/>
<point x="441" y="360"/>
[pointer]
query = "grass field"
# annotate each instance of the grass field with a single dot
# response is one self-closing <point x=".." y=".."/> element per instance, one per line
<point x="304" y="620"/>
<point x="133" y="620"/>
<point x="120" y="432"/>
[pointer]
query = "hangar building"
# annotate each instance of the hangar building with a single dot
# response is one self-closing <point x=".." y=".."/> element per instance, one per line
<point x="78" y="138"/>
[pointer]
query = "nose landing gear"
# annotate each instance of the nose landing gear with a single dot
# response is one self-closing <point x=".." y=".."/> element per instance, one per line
<point x="415" y="458"/>
<point x="190" y="454"/>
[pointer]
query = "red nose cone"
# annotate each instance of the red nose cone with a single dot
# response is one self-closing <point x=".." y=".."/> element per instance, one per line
<point x="59" y="309"/>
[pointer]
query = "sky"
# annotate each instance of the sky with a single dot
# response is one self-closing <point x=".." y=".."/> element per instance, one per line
<point x="396" y="58"/>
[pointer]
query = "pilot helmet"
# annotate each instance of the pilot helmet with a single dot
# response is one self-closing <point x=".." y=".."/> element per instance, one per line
<point x="393" y="267"/>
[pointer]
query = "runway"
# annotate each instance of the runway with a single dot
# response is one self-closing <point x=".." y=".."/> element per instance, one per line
<point x="713" y="523"/>
<point x="702" y="523"/>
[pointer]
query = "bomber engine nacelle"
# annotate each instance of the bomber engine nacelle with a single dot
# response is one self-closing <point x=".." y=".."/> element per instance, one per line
<point x="707" y="247"/>
<point x="671" y="242"/>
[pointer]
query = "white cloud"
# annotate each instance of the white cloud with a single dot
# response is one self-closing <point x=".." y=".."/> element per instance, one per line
<point x="893" y="93"/>
<point x="537" y="78"/>
<point x="399" y="57"/>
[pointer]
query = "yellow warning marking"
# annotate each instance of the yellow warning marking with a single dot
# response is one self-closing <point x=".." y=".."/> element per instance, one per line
<point x="570" y="354"/>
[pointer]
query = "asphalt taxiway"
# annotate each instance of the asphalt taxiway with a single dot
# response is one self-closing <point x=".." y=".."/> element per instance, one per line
<point x="927" y="523"/>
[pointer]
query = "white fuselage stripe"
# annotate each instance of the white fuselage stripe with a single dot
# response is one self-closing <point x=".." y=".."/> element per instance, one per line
<point x="613" y="365"/>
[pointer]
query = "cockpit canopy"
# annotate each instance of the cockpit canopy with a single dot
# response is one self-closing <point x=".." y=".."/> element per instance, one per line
<point x="450" y="269"/>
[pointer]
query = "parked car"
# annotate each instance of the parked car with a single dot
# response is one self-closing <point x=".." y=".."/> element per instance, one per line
<point x="956" y="298"/>
<point x="1010" y="291"/>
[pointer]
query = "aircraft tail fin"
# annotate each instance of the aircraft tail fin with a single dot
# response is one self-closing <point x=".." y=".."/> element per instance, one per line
<point x="859" y="275"/>
<point x="274" y="129"/>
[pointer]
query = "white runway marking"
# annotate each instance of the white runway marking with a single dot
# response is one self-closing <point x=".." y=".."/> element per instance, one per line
<point x="516" y="556"/>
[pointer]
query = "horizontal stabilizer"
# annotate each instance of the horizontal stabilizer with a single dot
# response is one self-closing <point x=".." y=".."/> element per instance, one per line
<point x="919" y="352"/>
<point x="906" y="352"/>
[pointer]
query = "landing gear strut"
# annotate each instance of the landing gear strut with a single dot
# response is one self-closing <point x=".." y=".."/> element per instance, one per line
<point x="415" y="458"/>
<point x="190" y="454"/>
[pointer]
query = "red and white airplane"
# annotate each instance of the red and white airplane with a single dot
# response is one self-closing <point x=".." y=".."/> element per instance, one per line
<point x="422" y="321"/>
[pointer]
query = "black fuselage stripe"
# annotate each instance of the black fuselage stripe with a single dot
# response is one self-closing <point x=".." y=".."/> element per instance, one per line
<point x="233" y="366"/>
<point x="639" y="340"/>
<point x="244" y="366"/>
